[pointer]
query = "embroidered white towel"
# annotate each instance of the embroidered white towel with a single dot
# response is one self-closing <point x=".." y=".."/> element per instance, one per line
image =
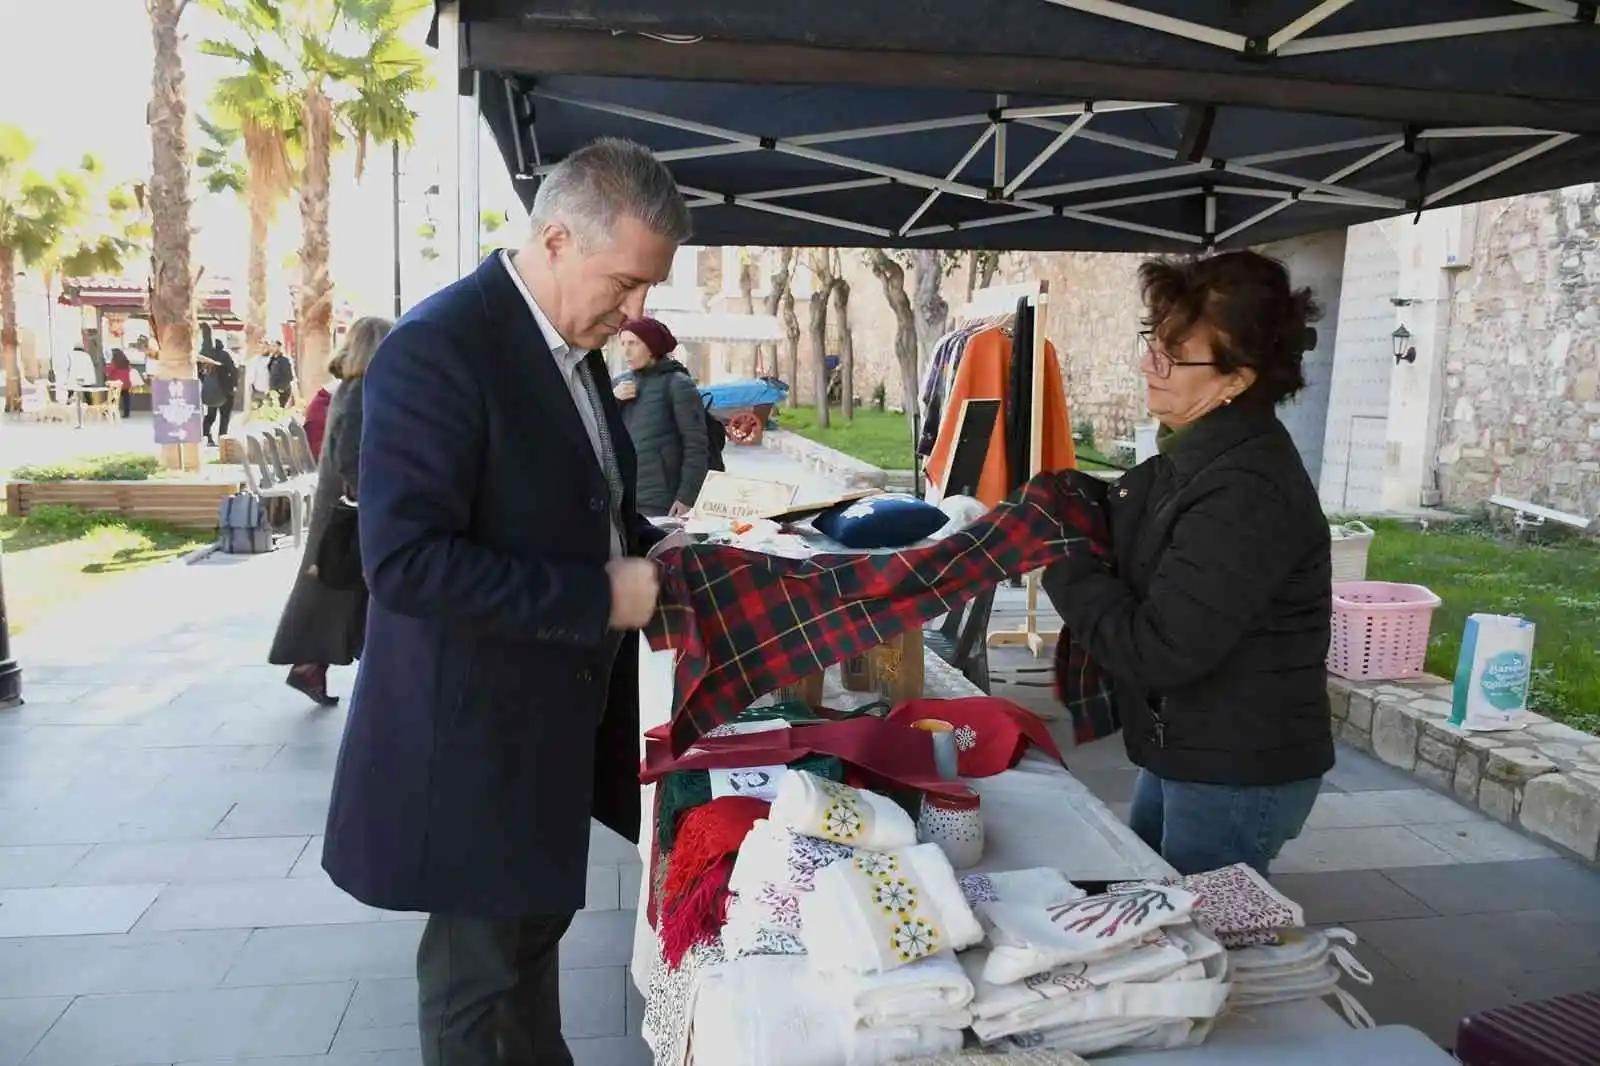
<point x="766" y="923"/>
<point x="774" y="854"/>
<point x="932" y="991"/>
<point x="1040" y="885"/>
<point x="1030" y="939"/>
<point x="818" y="807"/>
<point x="1000" y="1010"/>
<point x="1092" y="1038"/>
<point x="886" y="909"/>
<point x="1180" y="993"/>
<point x="778" y="1011"/>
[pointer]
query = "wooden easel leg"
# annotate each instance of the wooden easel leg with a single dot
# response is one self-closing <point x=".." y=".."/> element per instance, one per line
<point x="1026" y="635"/>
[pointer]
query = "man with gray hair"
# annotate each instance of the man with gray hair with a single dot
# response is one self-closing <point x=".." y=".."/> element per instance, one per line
<point x="497" y="701"/>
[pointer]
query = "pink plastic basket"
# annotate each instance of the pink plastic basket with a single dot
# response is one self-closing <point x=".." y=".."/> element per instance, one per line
<point x="1380" y="630"/>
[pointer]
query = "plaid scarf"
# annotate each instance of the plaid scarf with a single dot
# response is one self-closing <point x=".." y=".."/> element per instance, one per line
<point x="746" y="624"/>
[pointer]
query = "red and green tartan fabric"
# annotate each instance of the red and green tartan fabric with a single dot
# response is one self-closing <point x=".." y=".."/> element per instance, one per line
<point x="746" y="624"/>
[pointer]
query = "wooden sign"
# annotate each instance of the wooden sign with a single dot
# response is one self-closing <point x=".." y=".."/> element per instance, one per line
<point x="727" y="496"/>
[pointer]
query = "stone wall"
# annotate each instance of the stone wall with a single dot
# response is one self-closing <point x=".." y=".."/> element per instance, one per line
<point x="1522" y="370"/>
<point x="1543" y="778"/>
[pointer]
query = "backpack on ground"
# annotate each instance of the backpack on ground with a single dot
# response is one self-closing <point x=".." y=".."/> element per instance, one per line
<point x="280" y="373"/>
<point x="242" y="527"/>
<point x="716" y="439"/>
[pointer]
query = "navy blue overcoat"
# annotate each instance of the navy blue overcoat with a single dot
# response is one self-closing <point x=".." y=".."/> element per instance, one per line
<point x="493" y="711"/>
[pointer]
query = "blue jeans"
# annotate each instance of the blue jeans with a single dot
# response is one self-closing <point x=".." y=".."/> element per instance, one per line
<point x="1206" y="827"/>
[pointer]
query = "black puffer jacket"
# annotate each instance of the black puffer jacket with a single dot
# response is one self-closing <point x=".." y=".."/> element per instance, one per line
<point x="1216" y="624"/>
<point x="667" y="424"/>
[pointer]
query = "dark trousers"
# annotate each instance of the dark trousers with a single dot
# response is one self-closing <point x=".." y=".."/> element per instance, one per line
<point x="489" y="991"/>
<point x="218" y="416"/>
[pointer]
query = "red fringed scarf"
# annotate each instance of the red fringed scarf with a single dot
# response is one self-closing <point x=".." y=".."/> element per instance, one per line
<point x="694" y="898"/>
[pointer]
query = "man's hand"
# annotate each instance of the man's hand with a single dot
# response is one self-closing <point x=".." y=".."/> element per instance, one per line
<point x="634" y="588"/>
<point x="678" y="510"/>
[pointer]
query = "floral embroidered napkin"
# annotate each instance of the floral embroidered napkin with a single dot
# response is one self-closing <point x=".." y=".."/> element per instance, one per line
<point x="883" y="910"/>
<point x="1239" y="906"/>
<point x="1030" y="939"/>
<point x="818" y="807"/>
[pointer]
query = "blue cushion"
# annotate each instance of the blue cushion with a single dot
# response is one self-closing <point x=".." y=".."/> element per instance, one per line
<point x="890" y="520"/>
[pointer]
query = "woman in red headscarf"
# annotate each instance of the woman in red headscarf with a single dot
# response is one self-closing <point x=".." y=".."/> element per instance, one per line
<point x="666" y="419"/>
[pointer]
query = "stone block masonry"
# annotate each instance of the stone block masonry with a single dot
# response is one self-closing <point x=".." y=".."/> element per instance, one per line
<point x="1543" y="778"/>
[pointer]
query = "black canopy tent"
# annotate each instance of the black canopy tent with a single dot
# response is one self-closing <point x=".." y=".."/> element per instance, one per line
<point x="1049" y="124"/>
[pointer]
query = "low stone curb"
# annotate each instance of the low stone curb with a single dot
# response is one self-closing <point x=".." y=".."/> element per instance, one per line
<point x="825" y="460"/>
<point x="1543" y="778"/>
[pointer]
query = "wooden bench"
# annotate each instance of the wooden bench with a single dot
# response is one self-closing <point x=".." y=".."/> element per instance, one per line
<point x="1526" y="516"/>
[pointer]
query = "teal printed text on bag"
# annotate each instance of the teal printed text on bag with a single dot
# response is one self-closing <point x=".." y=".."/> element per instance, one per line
<point x="1493" y="673"/>
<point x="1504" y="680"/>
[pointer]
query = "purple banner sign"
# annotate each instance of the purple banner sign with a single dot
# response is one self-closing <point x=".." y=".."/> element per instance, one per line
<point x="175" y="403"/>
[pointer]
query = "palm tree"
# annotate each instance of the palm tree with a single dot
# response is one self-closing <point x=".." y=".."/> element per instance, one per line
<point x="172" y="280"/>
<point x="252" y="136"/>
<point x="65" y="224"/>
<point x="350" y="75"/>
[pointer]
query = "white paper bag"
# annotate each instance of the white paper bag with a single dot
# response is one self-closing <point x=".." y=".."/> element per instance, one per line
<point x="1493" y="673"/>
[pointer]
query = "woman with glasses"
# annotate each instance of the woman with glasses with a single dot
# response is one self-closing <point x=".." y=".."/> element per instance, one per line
<point x="1214" y="619"/>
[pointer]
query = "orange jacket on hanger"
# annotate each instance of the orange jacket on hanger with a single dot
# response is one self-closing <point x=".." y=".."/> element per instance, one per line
<point x="982" y="376"/>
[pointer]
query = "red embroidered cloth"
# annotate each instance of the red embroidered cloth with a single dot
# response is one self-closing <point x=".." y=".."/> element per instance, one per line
<point x="746" y="624"/>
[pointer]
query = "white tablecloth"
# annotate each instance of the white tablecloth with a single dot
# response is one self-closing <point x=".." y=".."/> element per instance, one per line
<point x="1036" y="814"/>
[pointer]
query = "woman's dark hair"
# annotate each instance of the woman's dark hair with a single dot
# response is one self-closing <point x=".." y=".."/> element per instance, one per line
<point x="336" y="367"/>
<point x="119" y="359"/>
<point x="1257" y="320"/>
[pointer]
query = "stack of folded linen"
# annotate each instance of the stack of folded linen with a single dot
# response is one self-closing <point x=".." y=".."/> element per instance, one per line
<point x="774" y="868"/>
<point x="779" y="1010"/>
<point x="1304" y="964"/>
<point x="1088" y="974"/>
<point x="1273" y="958"/>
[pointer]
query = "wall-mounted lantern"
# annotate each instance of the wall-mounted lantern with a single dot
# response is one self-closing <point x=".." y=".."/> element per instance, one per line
<point x="1403" y="350"/>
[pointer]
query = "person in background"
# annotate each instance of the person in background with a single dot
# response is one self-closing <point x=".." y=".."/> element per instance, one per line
<point x="316" y="420"/>
<point x="324" y="626"/>
<point x="217" y="383"/>
<point x="496" y="710"/>
<point x="666" y="419"/>
<point x="1214" y="625"/>
<point x="281" y="380"/>
<point x="255" y="373"/>
<point x="120" y="370"/>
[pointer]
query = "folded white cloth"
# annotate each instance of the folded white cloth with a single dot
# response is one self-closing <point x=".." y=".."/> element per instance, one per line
<point x="886" y="909"/>
<point x="1039" y="885"/>
<point x="1182" y="993"/>
<point x="932" y="991"/>
<point x="778" y="1011"/>
<point x="1030" y="939"/>
<point x="775" y="854"/>
<point x="763" y="923"/>
<point x="818" y="807"/>
<point x="1091" y="1038"/>
<point x="1307" y="965"/>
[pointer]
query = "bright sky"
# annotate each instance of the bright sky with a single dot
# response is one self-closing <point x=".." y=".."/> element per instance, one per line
<point x="75" y="75"/>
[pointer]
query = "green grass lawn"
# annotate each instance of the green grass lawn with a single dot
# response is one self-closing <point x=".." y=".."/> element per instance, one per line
<point x="882" y="438"/>
<point x="58" y="555"/>
<point x="1555" y="586"/>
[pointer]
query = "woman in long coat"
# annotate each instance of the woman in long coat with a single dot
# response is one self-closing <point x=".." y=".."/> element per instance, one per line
<point x="324" y="626"/>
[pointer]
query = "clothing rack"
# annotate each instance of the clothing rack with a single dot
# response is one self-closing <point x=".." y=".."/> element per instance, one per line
<point x="1038" y="297"/>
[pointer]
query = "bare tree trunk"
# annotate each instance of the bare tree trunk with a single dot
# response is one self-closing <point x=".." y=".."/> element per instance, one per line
<point x="9" y="342"/>
<point x="791" y="345"/>
<point x="821" y="295"/>
<point x="172" y="278"/>
<point x="314" y="313"/>
<point x="847" y="345"/>
<point x="747" y="285"/>
<point x="933" y="314"/>
<point x="777" y="285"/>
<point x="988" y="266"/>
<point x="893" y="279"/>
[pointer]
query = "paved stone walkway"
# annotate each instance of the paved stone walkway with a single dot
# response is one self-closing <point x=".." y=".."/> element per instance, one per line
<point x="161" y="902"/>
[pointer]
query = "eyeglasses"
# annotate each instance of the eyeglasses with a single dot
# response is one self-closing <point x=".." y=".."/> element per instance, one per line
<point x="1162" y="361"/>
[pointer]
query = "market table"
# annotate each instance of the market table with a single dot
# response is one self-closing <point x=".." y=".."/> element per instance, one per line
<point x="1036" y="814"/>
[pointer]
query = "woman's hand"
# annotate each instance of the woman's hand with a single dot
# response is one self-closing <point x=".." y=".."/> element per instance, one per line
<point x="625" y="391"/>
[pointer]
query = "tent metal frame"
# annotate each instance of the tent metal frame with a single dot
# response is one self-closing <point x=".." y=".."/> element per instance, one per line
<point x="1018" y="202"/>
